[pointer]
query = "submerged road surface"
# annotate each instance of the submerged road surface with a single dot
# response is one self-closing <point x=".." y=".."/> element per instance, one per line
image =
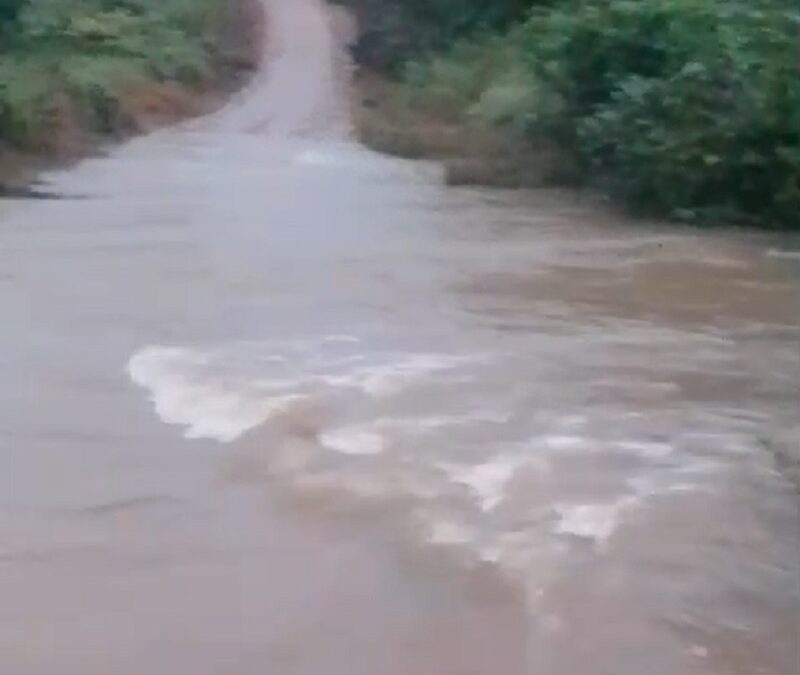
<point x="272" y="403"/>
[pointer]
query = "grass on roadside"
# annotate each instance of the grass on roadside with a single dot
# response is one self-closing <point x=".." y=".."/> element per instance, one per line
<point x="73" y="69"/>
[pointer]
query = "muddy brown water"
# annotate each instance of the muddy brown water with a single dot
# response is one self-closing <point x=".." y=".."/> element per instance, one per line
<point x="272" y="403"/>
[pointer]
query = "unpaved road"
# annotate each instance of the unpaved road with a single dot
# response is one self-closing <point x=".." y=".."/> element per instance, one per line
<point x="271" y="403"/>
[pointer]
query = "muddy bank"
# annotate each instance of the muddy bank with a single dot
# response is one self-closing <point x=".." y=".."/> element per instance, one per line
<point x="392" y="117"/>
<point x="389" y="118"/>
<point x="70" y="133"/>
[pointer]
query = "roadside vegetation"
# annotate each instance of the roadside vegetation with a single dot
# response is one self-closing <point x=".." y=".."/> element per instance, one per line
<point x="71" y="70"/>
<point x="683" y="108"/>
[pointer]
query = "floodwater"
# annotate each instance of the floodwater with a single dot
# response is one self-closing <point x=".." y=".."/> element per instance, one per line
<point x="272" y="403"/>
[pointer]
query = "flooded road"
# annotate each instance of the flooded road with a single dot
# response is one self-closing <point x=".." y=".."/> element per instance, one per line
<point x="272" y="403"/>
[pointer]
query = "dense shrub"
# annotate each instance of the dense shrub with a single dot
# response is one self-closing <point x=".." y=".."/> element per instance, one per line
<point x="690" y="107"/>
<point x="82" y="51"/>
<point x="396" y="30"/>
<point x="9" y="10"/>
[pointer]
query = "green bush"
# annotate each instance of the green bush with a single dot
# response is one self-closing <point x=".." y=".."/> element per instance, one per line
<point x="485" y="78"/>
<point x="9" y="10"/>
<point x="394" y="31"/>
<point x="690" y="107"/>
<point x="457" y="78"/>
<point x="25" y="93"/>
<point x="87" y="49"/>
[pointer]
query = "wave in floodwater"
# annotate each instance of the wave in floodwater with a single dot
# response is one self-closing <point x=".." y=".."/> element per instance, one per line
<point x="504" y="473"/>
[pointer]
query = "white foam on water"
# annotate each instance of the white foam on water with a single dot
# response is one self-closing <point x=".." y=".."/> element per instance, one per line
<point x="337" y="154"/>
<point x="346" y="339"/>
<point x="492" y="554"/>
<point x="434" y="423"/>
<point x="487" y="481"/>
<point x="664" y="485"/>
<point x="647" y="449"/>
<point x="354" y="440"/>
<point x="387" y="379"/>
<point x="331" y="154"/>
<point x="182" y="395"/>
<point x="449" y="533"/>
<point x="393" y="378"/>
<point x="563" y="442"/>
<point x="316" y="158"/>
<point x="571" y="421"/>
<point x="421" y="424"/>
<point x="783" y="255"/>
<point x="591" y="521"/>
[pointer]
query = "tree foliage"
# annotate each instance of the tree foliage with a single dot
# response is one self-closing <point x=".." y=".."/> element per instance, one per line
<point x="395" y="30"/>
<point x="689" y="108"/>
<point x="9" y="9"/>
